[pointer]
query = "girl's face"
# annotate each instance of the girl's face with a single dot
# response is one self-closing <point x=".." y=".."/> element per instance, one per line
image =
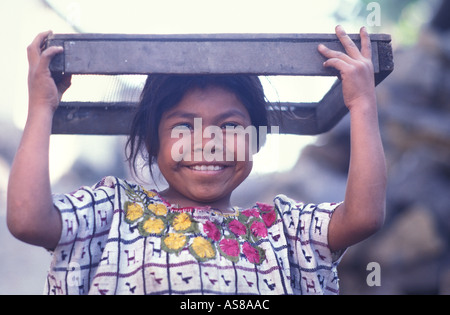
<point x="195" y="163"/>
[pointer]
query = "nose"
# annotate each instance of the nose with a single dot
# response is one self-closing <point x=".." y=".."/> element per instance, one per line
<point x="208" y="145"/>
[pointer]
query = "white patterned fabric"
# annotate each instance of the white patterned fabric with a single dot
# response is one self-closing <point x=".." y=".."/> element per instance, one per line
<point x="119" y="238"/>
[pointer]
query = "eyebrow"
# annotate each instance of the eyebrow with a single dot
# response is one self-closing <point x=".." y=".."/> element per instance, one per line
<point x="222" y="116"/>
<point x="231" y="113"/>
<point x="181" y="114"/>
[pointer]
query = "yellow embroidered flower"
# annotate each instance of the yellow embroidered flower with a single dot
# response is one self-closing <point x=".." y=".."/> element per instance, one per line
<point x="202" y="249"/>
<point x="134" y="211"/>
<point x="150" y="194"/>
<point x="158" y="209"/>
<point x="182" y="222"/>
<point x="153" y="226"/>
<point x="175" y="242"/>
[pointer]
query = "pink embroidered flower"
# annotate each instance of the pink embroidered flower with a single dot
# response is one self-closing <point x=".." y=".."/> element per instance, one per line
<point x="237" y="227"/>
<point x="264" y="207"/>
<point x="211" y="231"/>
<point x="268" y="213"/>
<point x="251" y="213"/>
<point x="258" y="229"/>
<point x="251" y="253"/>
<point x="269" y="218"/>
<point x="230" y="247"/>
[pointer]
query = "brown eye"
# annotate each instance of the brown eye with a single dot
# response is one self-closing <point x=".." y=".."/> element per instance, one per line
<point x="229" y="125"/>
<point x="183" y="126"/>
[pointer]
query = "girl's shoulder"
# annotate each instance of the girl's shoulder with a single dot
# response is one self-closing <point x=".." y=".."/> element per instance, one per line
<point x="286" y="204"/>
<point x="115" y="184"/>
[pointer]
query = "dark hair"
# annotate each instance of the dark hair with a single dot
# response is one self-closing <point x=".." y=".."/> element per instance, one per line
<point x="163" y="92"/>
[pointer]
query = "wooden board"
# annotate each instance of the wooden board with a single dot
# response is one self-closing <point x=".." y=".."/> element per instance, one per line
<point x="256" y="54"/>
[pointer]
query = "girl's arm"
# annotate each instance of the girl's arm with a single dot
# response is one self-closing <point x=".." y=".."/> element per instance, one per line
<point x="31" y="216"/>
<point x="363" y="210"/>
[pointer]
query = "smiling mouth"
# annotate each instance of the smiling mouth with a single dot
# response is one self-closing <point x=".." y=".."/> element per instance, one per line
<point x="205" y="168"/>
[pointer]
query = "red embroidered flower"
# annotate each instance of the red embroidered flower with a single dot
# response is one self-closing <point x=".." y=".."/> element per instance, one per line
<point x="230" y="247"/>
<point x="258" y="229"/>
<point x="237" y="227"/>
<point x="268" y="213"/>
<point x="252" y="254"/>
<point x="212" y="231"/>
<point x="264" y="207"/>
<point x="269" y="218"/>
<point x="251" y="213"/>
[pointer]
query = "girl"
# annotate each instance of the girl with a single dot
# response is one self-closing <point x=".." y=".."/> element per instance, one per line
<point x="119" y="238"/>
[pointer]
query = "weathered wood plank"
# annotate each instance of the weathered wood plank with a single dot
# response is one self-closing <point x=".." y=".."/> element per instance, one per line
<point x="257" y="54"/>
<point x="86" y="118"/>
<point x="281" y="58"/>
<point x="101" y="118"/>
<point x="262" y="54"/>
<point x="244" y="37"/>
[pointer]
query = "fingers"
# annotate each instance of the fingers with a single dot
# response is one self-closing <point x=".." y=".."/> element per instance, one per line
<point x="341" y="66"/>
<point x="329" y="53"/>
<point x="366" y="44"/>
<point x="336" y="63"/>
<point x="34" y="49"/>
<point x="349" y="46"/>
<point x="335" y="59"/>
<point x="39" y="56"/>
<point x="353" y="54"/>
<point x="353" y="60"/>
<point x="48" y="54"/>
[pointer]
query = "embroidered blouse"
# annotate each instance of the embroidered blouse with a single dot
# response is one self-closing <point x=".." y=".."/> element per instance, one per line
<point x="119" y="238"/>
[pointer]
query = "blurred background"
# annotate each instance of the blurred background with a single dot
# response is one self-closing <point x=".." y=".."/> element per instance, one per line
<point x="414" y="104"/>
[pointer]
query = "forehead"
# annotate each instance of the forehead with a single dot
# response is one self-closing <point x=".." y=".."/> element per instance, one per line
<point x="211" y="101"/>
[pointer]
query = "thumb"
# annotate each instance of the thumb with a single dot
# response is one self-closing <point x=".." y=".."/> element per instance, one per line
<point x="48" y="54"/>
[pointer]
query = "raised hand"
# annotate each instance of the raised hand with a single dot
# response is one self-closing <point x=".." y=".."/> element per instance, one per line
<point x="355" y="68"/>
<point x="43" y="92"/>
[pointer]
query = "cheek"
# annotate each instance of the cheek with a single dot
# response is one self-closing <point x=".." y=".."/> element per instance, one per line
<point x="179" y="149"/>
<point x="243" y="170"/>
<point x="166" y="158"/>
<point x="175" y="146"/>
<point x="239" y="147"/>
